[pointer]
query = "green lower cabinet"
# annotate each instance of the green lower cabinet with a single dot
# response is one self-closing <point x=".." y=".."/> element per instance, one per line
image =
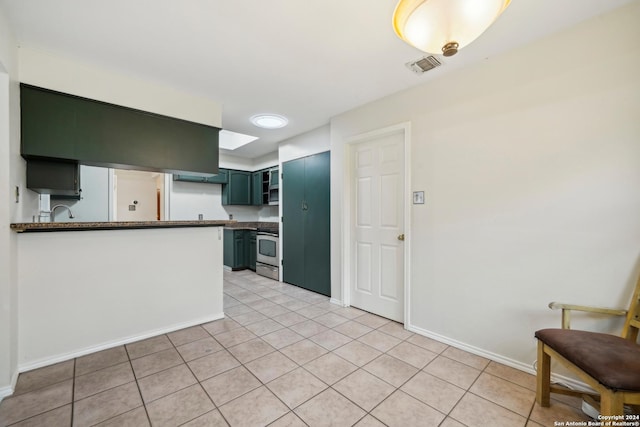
<point x="239" y="249"/>
<point x="252" y="250"/>
<point x="235" y="249"/>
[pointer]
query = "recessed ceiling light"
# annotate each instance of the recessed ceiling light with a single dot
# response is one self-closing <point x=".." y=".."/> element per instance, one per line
<point x="269" y="121"/>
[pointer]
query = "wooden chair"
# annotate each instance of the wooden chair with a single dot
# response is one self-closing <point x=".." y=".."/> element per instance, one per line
<point x="607" y="363"/>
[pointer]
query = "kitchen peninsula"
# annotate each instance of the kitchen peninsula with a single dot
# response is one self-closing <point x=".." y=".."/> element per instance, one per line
<point x="84" y="287"/>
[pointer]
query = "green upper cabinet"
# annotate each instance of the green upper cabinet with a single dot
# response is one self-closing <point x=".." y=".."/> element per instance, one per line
<point x="45" y="123"/>
<point x="60" y="126"/>
<point x="256" y="188"/>
<point x="238" y="188"/>
<point x="274" y="177"/>
<point x="220" y="178"/>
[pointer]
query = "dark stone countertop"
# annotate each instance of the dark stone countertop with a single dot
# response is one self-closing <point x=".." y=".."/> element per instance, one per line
<point x="273" y="227"/>
<point x="117" y="225"/>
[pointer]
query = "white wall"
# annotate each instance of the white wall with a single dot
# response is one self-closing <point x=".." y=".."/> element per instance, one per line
<point x="12" y="175"/>
<point x="229" y="161"/>
<point x="44" y="69"/>
<point x="312" y="142"/>
<point x="530" y="163"/>
<point x="188" y="199"/>
<point x="119" y="286"/>
<point x="94" y="204"/>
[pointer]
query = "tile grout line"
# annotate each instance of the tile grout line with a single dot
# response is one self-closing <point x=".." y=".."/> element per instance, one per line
<point x="396" y="389"/>
<point x="135" y="378"/>
<point x="310" y="309"/>
<point x="73" y="390"/>
<point x="215" y="407"/>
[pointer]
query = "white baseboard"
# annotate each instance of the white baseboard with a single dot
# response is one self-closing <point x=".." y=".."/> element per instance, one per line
<point x="110" y="344"/>
<point x="6" y="391"/>
<point x="555" y="378"/>
<point x="336" y="301"/>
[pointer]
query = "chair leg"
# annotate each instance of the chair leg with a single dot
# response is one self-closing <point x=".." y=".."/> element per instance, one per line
<point x="611" y="403"/>
<point x="543" y="377"/>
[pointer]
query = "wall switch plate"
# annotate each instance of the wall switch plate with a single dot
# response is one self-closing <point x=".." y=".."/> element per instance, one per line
<point x="132" y="207"/>
<point x="418" y="197"/>
<point x="17" y="194"/>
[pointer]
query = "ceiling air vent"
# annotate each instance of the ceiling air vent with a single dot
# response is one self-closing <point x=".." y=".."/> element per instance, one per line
<point x="423" y="65"/>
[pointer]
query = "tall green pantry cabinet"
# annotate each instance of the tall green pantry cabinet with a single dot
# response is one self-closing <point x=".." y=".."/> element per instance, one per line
<point x="306" y="223"/>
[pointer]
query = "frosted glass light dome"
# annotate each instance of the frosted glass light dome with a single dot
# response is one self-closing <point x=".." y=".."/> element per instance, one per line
<point x="269" y="121"/>
<point x="444" y="26"/>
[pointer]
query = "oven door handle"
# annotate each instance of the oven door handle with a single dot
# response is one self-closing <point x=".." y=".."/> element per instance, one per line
<point x="264" y="233"/>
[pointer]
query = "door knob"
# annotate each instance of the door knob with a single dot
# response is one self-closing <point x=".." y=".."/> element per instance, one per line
<point x="401" y="237"/>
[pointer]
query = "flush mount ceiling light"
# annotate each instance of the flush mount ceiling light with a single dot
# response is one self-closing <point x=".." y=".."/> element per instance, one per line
<point x="444" y="26"/>
<point x="269" y="121"/>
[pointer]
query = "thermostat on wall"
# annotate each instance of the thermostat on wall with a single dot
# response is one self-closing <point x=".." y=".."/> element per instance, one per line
<point x="418" y="197"/>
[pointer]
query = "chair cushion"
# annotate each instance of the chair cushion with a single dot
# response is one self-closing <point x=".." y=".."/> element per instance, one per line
<point x="612" y="361"/>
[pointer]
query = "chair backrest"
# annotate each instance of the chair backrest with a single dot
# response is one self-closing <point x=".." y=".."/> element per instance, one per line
<point x="632" y="322"/>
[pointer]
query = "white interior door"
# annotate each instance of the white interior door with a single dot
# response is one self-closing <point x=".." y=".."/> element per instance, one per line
<point x="377" y="225"/>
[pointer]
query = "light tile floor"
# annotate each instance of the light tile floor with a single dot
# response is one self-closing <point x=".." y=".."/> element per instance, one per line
<point x="283" y="356"/>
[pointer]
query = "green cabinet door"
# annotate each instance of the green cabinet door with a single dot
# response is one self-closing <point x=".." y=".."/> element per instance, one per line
<point x="61" y="126"/>
<point x="252" y="250"/>
<point x="236" y="247"/>
<point x="317" y="251"/>
<point x="256" y="188"/>
<point x="46" y="120"/>
<point x="238" y="189"/>
<point x="240" y="249"/>
<point x="227" y="246"/>
<point x="306" y="223"/>
<point x="293" y="190"/>
<point x="221" y="178"/>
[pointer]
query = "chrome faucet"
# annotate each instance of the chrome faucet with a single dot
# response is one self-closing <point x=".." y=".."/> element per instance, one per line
<point x="52" y="212"/>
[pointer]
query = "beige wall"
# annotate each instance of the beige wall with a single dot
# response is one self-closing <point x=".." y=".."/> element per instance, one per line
<point x="66" y="75"/>
<point x="12" y="175"/>
<point x="44" y="69"/>
<point x="119" y="286"/>
<point x="530" y="163"/>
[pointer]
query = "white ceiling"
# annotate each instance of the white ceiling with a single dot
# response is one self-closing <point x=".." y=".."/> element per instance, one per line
<point x="306" y="60"/>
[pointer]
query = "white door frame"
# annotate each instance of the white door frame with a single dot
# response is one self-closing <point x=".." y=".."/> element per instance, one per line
<point x="347" y="209"/>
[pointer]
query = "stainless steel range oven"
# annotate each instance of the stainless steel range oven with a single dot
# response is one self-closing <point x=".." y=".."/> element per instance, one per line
<point x="268" y="244"/>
